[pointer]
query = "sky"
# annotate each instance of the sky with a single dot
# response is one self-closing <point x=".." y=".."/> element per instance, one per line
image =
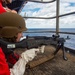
<point x="32" y="9"/>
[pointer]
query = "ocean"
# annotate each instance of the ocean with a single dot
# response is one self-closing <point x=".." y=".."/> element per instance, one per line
<point x="44" y="32"/>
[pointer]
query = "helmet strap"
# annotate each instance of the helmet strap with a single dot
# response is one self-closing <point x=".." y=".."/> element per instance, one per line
<point x="13" y="39"/>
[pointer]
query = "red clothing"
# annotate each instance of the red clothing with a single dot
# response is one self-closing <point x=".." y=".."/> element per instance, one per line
<point x="2" y="10"/>
<point x="13" y="59"/>
<point x="4" y="69"/>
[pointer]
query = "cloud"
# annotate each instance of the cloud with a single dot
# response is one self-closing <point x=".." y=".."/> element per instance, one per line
<point x="49" y="10"/>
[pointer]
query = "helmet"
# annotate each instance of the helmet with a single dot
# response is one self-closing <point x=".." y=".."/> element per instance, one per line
<point x="12" y="19"/>
<point x="9" y="32"/>
<point x="11" y="24"/>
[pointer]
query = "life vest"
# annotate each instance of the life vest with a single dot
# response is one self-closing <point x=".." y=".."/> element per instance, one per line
<point x="11" y="57"/>
<point x="4" y="69"/>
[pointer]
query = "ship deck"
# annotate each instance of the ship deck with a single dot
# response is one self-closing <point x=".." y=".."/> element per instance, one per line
<point x="47" y="64"/>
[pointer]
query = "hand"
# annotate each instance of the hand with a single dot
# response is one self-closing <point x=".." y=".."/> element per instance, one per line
<point x="42" y="48"/>
<point x="29" y="55"/>
<point x="9" y="10"/>
<point x="13" y="11"/>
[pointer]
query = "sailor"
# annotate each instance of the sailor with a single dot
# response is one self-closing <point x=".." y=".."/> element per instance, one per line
<point x="4" y="8"/>
<point x="10" y="25"/>
<point x="4" y="19"/>
<point x="11" y="28"/>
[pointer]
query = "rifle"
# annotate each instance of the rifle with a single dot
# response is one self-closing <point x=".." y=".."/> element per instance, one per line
<point x="35" y="42"/>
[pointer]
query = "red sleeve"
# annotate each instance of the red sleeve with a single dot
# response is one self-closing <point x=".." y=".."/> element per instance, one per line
<point x="4" y="69"/>
<point x="2" y="10"/>
<point x="13" y="58"/>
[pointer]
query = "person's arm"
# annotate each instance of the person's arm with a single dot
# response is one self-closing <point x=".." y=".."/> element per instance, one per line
<point x="4" y="69"/>
<point x="20" y="66"/>
<point x="2" y="10"/>
<point x="5" y="9"/>
<point x="9" y="10"/>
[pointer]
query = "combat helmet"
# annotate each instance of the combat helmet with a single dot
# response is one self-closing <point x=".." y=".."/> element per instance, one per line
<point x="11" y="24"/>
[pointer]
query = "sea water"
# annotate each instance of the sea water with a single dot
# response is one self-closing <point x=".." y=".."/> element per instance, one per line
<point x="41" y="32"/>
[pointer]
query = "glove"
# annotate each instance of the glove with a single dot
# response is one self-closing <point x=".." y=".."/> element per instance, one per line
<point x="42" y="48"/>
<point x="20" y="65"/>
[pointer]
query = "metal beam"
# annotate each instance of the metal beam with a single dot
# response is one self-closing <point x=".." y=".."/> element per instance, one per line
<point x="41" y="1"/>
<point x="49" y="17"/>
<point x="57" y="17"/>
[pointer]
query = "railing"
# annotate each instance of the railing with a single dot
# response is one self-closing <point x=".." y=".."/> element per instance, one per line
<point x="57" y="17"/>
<point x="73" y="33"/>
<point x="41" y="1"/>
<point x="66" y="14"/>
